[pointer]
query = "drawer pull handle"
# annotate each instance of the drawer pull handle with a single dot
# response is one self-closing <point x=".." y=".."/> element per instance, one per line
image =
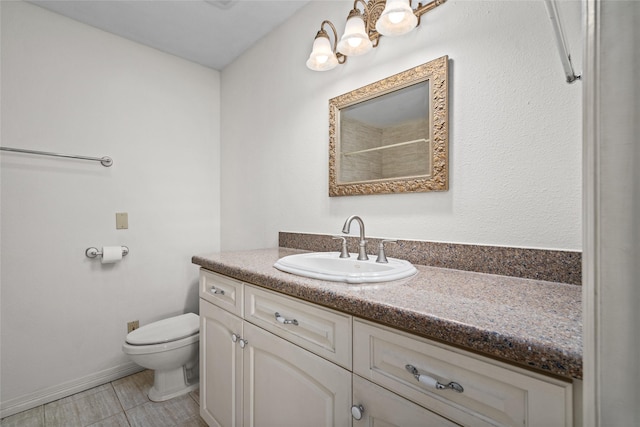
<point x="432" y="382"/>
<point x="216" y="291"/>
<point x="284" y="320"/>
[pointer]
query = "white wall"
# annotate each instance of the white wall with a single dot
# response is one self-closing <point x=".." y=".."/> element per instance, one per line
<point x="69" y="88"/>
<point x="515" y="132"/>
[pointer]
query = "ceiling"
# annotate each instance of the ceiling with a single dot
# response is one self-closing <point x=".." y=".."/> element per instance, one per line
<point x="210" y="32"/>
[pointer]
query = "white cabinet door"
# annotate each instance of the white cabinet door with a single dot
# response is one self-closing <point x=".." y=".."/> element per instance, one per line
<point x="220" y="367"/>
<point x="285" y="385"/>
<point x="381" y="408"/>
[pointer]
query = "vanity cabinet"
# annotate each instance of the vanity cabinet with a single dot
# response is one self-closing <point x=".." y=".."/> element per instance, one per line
<point x="250" y="376"/>
<point x="477" y="391"/>
<point x="267" y="359"/>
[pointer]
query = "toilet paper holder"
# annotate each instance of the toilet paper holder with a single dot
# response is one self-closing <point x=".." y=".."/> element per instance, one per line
<point x="94" y="252"/>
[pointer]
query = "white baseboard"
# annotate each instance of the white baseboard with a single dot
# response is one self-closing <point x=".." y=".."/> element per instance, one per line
<point x="49" y="394"/>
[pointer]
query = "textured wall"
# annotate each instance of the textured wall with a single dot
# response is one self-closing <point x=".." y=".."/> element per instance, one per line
<point x="515" y="131"/>
<point x="73" y="89"/>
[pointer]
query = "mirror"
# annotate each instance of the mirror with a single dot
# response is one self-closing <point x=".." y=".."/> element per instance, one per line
<point x="391" y="136"/>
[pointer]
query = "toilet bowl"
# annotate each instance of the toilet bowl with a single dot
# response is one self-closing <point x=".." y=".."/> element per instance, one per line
<point x="170" y="348"/>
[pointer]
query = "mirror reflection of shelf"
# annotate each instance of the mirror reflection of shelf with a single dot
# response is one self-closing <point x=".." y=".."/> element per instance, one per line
<point x="385" y="147"/>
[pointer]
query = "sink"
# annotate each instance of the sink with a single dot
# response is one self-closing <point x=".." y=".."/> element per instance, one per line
<point x="329" y="266"/>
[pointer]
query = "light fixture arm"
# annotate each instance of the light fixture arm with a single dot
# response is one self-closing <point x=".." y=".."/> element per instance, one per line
<point x="421" y="10"/>
<point x="364" y="4"/>
<point x="341" y="58"/>
<point x="355" y="9"/>
<point x="366" y="14"/>
<point x="370" y="14"/>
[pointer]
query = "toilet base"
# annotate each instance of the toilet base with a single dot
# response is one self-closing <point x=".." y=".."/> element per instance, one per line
<point x="172" y="383"/>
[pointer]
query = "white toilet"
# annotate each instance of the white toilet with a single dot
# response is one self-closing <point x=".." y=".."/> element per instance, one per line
<point x="170" y="348"/>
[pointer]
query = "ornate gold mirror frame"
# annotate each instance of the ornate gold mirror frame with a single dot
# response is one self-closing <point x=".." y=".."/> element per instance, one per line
<point x="435" y="73"/>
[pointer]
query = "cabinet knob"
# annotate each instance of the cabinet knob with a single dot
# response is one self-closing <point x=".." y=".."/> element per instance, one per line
<point x="235" y="337"/>
<point x="243" y="343"/>
<point x="357" y="411"/>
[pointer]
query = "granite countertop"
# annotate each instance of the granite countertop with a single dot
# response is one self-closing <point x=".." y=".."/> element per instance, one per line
<point x="531" y="323"/>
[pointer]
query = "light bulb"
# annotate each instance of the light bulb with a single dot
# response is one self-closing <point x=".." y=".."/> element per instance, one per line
<point x="396" y="17"/>
<point x="322" y="57"/>
<point x="354" y="41"/>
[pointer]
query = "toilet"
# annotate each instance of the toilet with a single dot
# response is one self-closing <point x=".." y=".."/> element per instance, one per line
<point x="169" y="347"/>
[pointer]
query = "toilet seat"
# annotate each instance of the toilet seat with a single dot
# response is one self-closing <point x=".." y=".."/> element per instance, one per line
<point x="133" y="349"/>
<point x="165" y="331"/>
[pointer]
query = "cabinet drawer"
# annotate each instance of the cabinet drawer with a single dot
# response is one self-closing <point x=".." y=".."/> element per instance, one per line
<point x="324" y="332"/>
<point x="494" y="394"/>
<point x="222" y="291"/>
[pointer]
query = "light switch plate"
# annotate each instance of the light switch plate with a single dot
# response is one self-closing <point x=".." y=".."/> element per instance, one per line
<point x="122" y="221"/>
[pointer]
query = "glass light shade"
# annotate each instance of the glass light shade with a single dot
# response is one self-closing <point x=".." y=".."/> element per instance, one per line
<point x="355" y="40"/>
<point x="397" y="18"/>
<point x="322" y="57"/>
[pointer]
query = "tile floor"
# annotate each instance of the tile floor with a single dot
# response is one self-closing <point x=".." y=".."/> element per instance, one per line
<point x="121" y="403"/>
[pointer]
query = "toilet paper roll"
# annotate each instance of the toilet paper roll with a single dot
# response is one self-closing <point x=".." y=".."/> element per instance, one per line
<point x="111" y="254"/>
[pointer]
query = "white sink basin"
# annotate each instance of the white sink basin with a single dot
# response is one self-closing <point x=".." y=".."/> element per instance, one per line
<point x="329" y="266"/>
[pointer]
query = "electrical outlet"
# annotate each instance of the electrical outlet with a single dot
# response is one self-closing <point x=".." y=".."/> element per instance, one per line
<point x="133" y="325"/>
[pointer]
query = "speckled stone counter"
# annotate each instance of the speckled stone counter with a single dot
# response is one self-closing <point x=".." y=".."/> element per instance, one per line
<point x="530" y="323"/>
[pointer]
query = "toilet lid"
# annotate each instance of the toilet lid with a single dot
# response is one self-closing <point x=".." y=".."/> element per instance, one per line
<point x="166" y="330"/>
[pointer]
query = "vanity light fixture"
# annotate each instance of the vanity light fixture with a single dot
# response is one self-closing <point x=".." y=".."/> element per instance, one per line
<point x="355" y="40"/>
<point x="396" y="19"/>
<point x="323" y="57"/>
<point x="363" y="30"/>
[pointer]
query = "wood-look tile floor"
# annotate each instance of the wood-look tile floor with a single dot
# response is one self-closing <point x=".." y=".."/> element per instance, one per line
<point x="121" y="403"/>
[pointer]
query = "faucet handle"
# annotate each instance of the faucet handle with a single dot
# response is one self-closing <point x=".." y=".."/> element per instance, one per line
<point x="382" y="258"/>
<point x="344" y="253"/>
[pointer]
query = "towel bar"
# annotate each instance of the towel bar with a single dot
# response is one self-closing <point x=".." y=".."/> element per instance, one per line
<point x="105" y="161"/>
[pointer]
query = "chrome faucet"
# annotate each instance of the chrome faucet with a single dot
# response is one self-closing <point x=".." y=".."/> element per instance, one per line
<point x="362" y="251"/>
